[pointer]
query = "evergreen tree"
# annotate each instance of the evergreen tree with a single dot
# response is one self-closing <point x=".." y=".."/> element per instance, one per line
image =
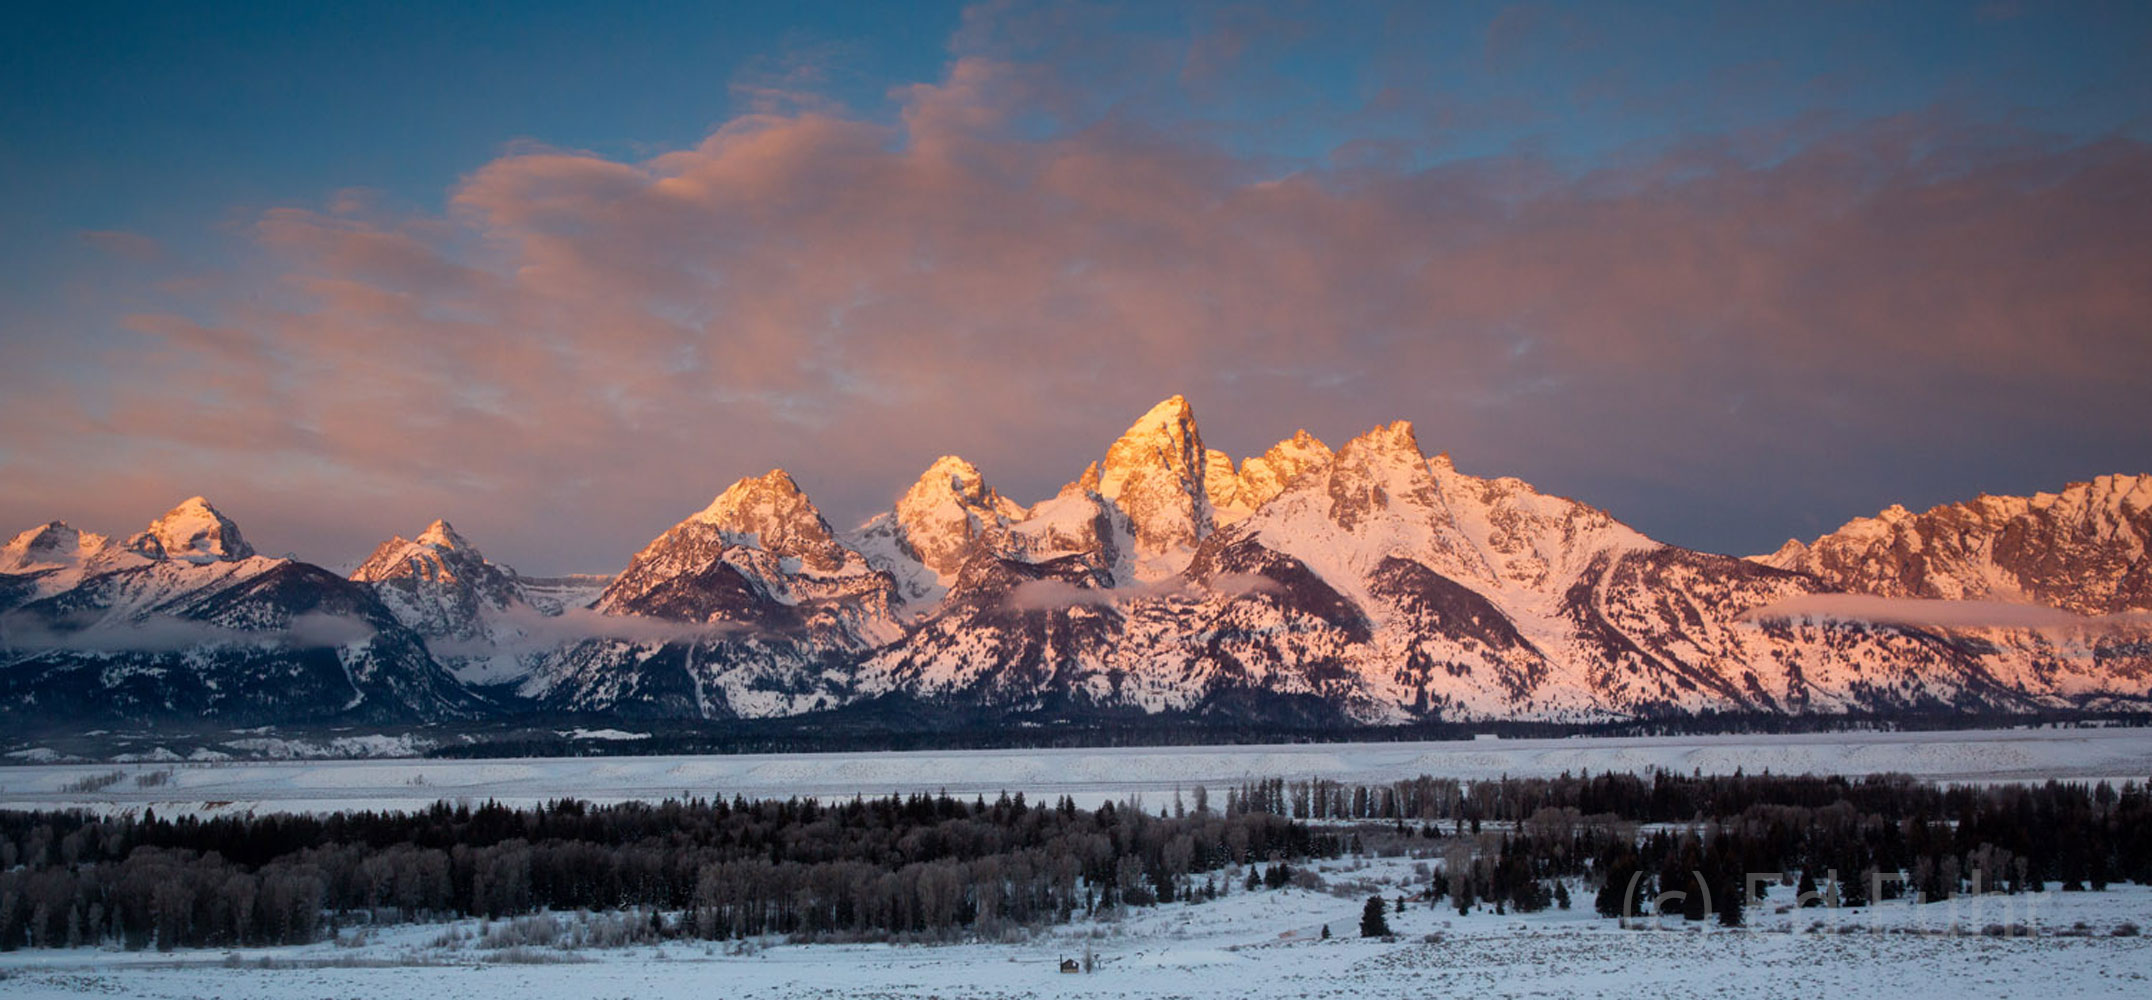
<point x="1615" y="899"/>
<point x="1806" y="891"/>
<point x="1730" y="909"/>
<point x="1372" y="921"/>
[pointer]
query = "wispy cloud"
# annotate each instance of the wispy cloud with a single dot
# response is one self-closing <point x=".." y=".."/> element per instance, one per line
<point x="1941" y="614"/>
<point x="523" y="631"/>
<point x="1060" y="595"/>
<point x="163" y="634"/>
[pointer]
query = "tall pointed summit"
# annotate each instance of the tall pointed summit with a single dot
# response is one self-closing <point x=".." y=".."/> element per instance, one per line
<point x="1155" y="474"/>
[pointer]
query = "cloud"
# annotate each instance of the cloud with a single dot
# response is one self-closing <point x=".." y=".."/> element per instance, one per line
<point x="522" y="631"/>
<point x="1060" y="595"/>
<point x="1242" y="584"/>
<point x="165" y="634"/>
<point x="1940" y="614"/>
<point x="1707" y="336"/>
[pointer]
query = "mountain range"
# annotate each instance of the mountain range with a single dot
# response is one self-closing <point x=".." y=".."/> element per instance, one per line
<point x="1367" y="585"/>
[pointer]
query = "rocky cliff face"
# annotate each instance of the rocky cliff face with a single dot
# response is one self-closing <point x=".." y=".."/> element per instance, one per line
<point x="2082" y="549"/>
<point x="483" y="622"/>
<point x="751" y="607"/>
<point x="1155" y="474"/>
<point x="947" y="516"/>
<point x="1383" y="586"/>
<point x="439" y="583"/>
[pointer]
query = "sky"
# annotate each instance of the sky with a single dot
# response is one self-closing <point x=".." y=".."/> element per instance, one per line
<point x="562" y="272"/>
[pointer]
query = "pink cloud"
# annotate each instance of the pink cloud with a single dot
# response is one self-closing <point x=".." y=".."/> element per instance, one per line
<point x="582" y="349"/>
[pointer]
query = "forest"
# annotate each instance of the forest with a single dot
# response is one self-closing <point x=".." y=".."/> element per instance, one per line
<point x="935" y="868"/>
<point x="1835" y="841"/>
<point x="912" y="868"/>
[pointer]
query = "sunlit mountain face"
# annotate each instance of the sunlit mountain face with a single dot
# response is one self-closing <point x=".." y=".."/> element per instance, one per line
<point x="1367" y="585"/>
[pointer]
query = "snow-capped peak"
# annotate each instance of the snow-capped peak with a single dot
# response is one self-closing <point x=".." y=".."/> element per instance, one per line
<point x="441" y="535"/>
<point x="772" y="513"/>
<point x="1393" y="438"/>
<point x="948" y="506"/>
<point x="53" y="545"/>
<point x="946" y="516"/>
<point x="438" y="553"/>
<point x="196" y="532"/>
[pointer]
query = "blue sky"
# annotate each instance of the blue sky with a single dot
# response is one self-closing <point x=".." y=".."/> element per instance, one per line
<point x="142" y="149"/>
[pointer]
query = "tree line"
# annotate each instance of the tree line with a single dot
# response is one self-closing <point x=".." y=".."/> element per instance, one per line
<point x="1835" y="841"/>
<point x="925" y="867"/>
<point x="917" y="866"/>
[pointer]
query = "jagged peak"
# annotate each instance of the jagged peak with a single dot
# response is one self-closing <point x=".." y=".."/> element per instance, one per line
<point x="1301" y="444"/>
<point x="1165" y="435"/>
<point x="43" y="536"/>
<point x="1787" y="558"/>
<point x="749" y="492"/>
<point x="1395" y="437"/>
<point x="1170" y="411"/>
<point x="950" y="474"/>
<point x="1264" y="476"/>
<point x="1220" y="482"/>
<point x="1085" y="483"/>
<point x="394" y="558"/>
<point x="773" y="511"/>
<point x="194" y="531"/>
<point x="441" y="534"/>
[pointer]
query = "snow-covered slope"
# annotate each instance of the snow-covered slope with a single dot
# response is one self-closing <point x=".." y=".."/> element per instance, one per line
<point x="1378" y="584"/>
<point x="186" y="622"/>
<point x="1370" y="584"/>
<point x="2082" y="549"/>
<point x="751" y="607"/>
<point x="946" y="517"/>
<point x="439" y="584"/>
<point x="481" y="621"/>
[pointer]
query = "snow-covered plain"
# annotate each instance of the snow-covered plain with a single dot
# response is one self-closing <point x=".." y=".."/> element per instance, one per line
<point x="1248" y="944"/>
<point x="1091" y="776"/>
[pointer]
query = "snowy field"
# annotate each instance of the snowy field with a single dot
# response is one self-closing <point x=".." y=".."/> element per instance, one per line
<point x="1090" y="776"/>
<point x="1247" y="944"/>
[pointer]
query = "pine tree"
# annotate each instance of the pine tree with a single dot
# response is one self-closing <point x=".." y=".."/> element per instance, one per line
<point x="1615" y="899"/>
<point x="1372" y="921"/>
<point x="1561" y="894"/>
<point x="1806" y="891"/>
